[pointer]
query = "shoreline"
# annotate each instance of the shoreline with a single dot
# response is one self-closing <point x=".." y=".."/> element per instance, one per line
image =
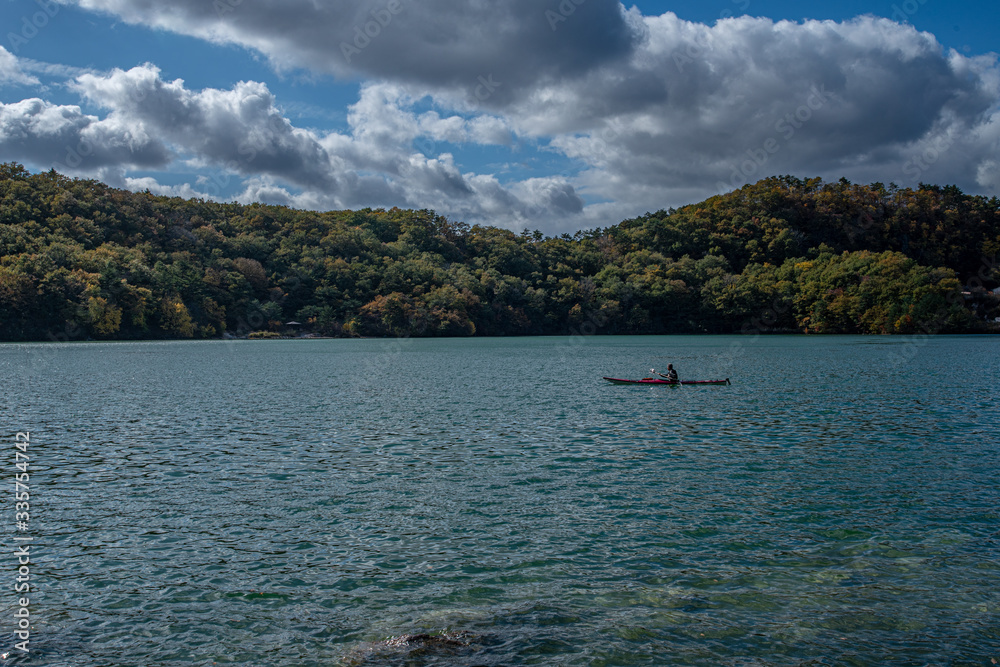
<point x="771" y="334"/>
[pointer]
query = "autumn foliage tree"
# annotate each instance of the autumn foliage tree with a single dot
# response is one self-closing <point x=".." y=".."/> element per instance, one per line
<point x="79" y="259"/>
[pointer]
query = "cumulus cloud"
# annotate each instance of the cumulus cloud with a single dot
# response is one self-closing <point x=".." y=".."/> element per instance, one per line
<point x="241" y="127"/>
<point x="243" y="132"/>
<point x="436" y="43"/>
<point x="184" y="190"/>
<point x="701" y="109"/>
<point x="63" y="137"/>
<point x="11" y="72"/>
<point x="648" y="111"/>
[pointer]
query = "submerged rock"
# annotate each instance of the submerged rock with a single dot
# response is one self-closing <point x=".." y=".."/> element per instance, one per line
<point x="407" y="641"/>
<point x="410" y="649"/>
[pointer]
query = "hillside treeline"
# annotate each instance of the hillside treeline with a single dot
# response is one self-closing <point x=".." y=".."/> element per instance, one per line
<point x="79" y="259"/>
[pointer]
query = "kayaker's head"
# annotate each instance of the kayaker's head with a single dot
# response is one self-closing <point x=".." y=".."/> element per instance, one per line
<point x="670" y="367"/>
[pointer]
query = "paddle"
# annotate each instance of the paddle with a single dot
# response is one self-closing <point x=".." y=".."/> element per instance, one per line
<point x="653" y="370"/>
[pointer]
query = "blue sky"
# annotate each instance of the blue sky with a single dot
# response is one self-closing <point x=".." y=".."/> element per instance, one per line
<point x="549" y="114"/>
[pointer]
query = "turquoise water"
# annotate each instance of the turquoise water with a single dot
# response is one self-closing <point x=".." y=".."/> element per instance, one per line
<point x="293" y="502"/>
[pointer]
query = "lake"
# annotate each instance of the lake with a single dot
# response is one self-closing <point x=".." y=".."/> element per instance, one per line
<point x="294" y="502"/>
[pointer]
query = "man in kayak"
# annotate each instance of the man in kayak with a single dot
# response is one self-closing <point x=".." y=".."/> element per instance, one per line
<point x="670" y="375"/>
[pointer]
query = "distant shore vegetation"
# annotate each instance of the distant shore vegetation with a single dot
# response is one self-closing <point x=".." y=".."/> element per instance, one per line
<point x="81" y="260"/>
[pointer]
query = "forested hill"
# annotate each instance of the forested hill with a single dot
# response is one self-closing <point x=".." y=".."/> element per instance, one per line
<point x="79" y="259"/>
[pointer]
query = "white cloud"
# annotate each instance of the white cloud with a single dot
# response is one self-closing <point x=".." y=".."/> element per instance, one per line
<point x="699" y="109"/>
<point x="63" y="137"/>
<point x="11" y="71"/>
<point x="489" y="130"/>
<point x="242" y="132"/>
<point x="663" y="113"/>
<point x="184" y="190"/>
<point x="240" y="128"/>
<point x="481" y="130"/>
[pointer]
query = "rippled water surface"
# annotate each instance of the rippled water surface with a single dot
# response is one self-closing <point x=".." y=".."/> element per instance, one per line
<point x="295" y="502"/>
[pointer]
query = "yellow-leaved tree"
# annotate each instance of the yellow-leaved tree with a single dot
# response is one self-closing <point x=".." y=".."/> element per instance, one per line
<point x="175" y="319"/>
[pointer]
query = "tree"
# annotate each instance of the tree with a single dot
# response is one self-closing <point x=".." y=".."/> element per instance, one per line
<point x="175" y="320"/>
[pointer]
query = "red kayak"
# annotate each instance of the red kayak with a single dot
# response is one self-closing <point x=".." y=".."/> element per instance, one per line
<point x="659" y="381"/>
